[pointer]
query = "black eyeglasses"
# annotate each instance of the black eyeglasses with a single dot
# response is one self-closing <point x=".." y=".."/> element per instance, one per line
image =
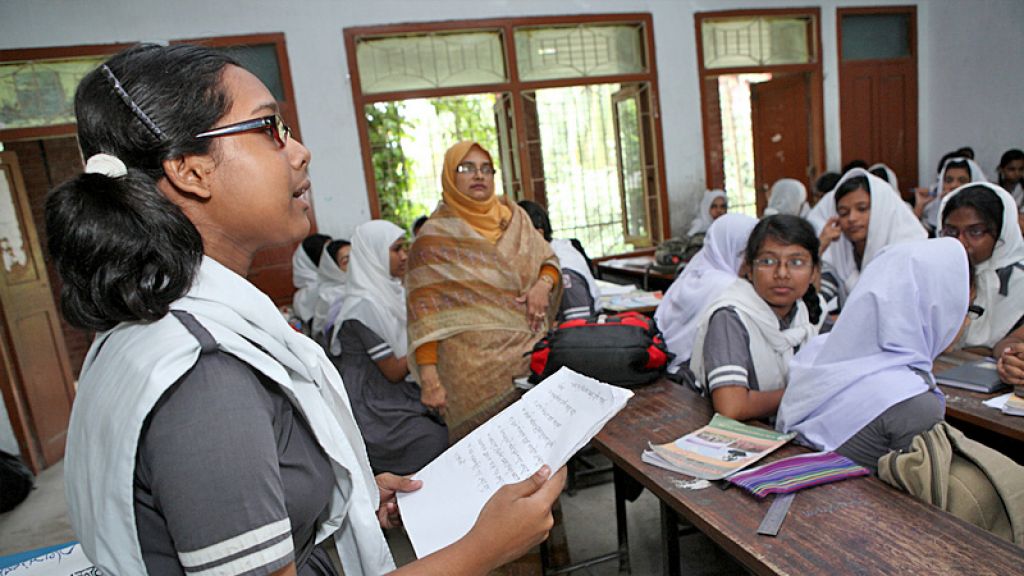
<point x="974" y="231"/>
<point x="975" y="311"/>
<point x="273" y="125"/>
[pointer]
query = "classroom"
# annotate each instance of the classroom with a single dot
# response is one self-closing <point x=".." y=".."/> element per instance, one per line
<point x="585" y="148"/>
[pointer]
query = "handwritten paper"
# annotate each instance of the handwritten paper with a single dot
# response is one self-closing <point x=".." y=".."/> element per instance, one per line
<point x="65" y="560"/>
<point x="547" y="425"/>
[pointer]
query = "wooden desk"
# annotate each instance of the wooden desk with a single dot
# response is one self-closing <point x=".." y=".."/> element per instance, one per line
<point x="637" y="269"/>
<point x="964" y="409"/>
<point x="859" y="526"/>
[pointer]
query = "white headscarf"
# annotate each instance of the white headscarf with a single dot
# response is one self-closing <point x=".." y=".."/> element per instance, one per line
<point x="906" y="310"/>
<point x="373" y="296"/>
<point x="304" y="277"/>
<point x="789" y="196"/>
<point x="1002" y="310"/>
<point x="703" y="220"/>
<point x="930" y="215"/>
<point x="570" y="258"/>
<point x="891" y="222"/>
<point x="704" y="278"/>
<point x="890" y="176"/>
<point x="822" y="211"/>
<point x="331" y="287"/>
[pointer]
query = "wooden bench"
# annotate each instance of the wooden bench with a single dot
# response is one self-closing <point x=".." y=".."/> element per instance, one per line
<point x="859" y="526"/>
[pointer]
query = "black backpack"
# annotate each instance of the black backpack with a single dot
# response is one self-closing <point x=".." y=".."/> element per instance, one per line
<point x="625" y="350"/>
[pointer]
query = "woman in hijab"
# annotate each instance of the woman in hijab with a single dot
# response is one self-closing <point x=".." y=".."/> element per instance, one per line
<point x="305" y="279"/>
<point x="956" y="171"/>
<point x="788" y="196"/>
<point x="208" y="436"/>
<point x="704" y="278"/>
<point x="870" y="216"/>
<point x="333" y="274"/>
<point x="746" y="337"/>
<point x="482" y="287"/>
<point x="401" y="434"/>
<point x="712" y="205"/>
<point x="866" y="388"/>
<point x="885" y="173"/>
<point x="581" y="295"/>
<point x="983" y="217"/>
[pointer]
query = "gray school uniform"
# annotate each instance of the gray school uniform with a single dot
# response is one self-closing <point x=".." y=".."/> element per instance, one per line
<point x="401" y="434"/>
<point x="894" y="429"/>
<point x="727" y="347"/>
<point x="225" y="465"/>
<point x="577" y="302"/>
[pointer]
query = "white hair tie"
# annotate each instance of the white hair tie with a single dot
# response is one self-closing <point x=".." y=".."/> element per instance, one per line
<point x="110" y="166"/>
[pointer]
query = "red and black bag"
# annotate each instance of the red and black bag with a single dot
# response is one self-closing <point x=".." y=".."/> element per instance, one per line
<point x="625" y="350"/>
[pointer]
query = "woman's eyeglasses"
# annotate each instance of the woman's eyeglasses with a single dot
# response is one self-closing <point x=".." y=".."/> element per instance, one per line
<point x="472" y="169"/>
<point x="975" y="311"/>
<point x="791" y="263"/>
<point x="273" y="125"/>
<point x="974" y="231"/>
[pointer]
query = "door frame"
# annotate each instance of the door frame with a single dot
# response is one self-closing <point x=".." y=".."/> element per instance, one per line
<point x="714" y="174"/>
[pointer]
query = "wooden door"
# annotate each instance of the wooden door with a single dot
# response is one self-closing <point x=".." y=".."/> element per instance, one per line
<point x="35" y="375"/>
<point x="781" y="119"/>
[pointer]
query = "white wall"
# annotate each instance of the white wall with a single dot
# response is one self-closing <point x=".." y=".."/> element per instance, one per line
<point x="969" y="76"/>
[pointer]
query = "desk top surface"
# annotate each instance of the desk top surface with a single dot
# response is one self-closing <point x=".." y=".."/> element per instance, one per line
<point x="634" y="265"/>
<point x="857" y="526"/>
<point x="967" y="406"/>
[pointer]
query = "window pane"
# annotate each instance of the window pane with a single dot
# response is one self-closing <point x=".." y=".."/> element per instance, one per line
<point x="579" y="51"/>
<point x="875" y="36"/>
<point x="430" y="61"/>
<point x="261" y="60"/>
<point x="41" y="92"/>
<point x="757" y="41"/>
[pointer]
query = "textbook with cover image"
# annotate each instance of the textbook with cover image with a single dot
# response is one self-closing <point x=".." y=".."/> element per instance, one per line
<point x="717" y="450"/>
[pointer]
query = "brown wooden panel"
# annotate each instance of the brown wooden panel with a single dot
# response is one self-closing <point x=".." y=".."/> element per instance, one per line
<point x="858" y="118"/>
<point x="49" y="404"/>
<point x="780" y="114"/>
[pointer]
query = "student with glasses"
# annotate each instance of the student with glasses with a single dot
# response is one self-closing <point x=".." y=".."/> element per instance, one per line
<point x="482" y="286"/>
<point x="868" y="215"/>
<point x="747" y="336"/>
<point x="983" y="217"/>
<point x="207" y="435"/>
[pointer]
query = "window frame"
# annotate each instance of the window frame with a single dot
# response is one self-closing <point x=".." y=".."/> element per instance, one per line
<point x="514" y="87"/>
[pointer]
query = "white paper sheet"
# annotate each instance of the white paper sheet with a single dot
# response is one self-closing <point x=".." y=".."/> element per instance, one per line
<point x="547" y="425"/>
<point x="998" y="402"/>
<point x="69" y="560"/>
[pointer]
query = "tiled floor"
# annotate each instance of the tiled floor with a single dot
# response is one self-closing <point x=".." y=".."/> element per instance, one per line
<point x="589" y="520"/>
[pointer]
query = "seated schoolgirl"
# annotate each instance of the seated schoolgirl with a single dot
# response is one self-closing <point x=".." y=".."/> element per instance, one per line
<point x="581" y="296"/>
<point x="747" y="337"/>
<point x="401" y="434"/>
<point x="955" y="172"/>
<point x="866" y="387"/>
<point x="712" y="206"/>
<point x="333" y="273"/>
<point x="305" y="261"/>
<point x="869" y="216"/>
<point x="1010" y="174"/>
<point x="788" y="196"/>
<point x="983" y="217"/>
<point x="705" y="277"/>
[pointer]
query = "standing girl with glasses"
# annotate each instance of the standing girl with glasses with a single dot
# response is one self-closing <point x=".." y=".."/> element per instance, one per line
<point x="870" y="215"/>
<point x="207" y="434"/>
<point x="747" y="336"/>
<point x="983" y="217"/>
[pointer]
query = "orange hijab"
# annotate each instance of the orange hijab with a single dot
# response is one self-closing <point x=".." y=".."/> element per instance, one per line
<point x="488" y="217"/>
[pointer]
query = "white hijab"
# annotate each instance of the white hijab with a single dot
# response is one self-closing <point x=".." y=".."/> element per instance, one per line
<point x="891" y="222"/>
<point x="1002" y="311"/>
<point x="788" y="196"/>
<point x="571" y="259"/>
<point x="930" y="215"/>
<point x="305" y="278"/>
<point x="704" y="278"/>
<point x="373" y="296"/>
<point x="890" y="176"/>
<point x="131" y="366"/>
<point x="703" y="220"/>
<point x="906" y="310"/>
<point x="331" y="286"/>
